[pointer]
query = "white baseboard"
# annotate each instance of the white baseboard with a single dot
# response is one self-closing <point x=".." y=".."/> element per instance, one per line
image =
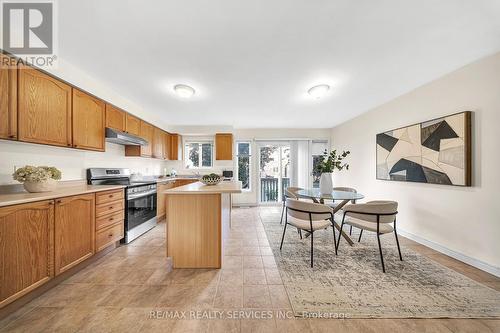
<point x="456" y="255"/>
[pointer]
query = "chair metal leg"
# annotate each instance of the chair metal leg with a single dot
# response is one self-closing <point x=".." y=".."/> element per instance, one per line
<point x="312" y="248"/>
<point x="334" y="238"/>
<point x="283" y="237"/>
<point x="282" y="211"/>
<point x="381" y="255"/>
<point x="284" y="229"/>
<point x="350" y="231"/>
<point x="300" y="233"/>
<point x="340" y="234"/>
<point x="397" y="242"/>
<point x="360" y="233"/>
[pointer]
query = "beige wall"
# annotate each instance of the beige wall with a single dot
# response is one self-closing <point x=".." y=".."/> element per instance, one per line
<point x="463" y="221"/>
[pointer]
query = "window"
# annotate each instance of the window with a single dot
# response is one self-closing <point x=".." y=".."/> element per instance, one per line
<point x="318" y="149"/>
<point x="243" y="154"/>
<point x="198" y="155"/>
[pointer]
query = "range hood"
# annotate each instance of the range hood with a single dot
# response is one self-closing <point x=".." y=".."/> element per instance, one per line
<point x="123" y="138"/>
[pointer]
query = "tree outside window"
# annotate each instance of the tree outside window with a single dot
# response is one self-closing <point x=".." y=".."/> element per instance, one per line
<point x="243" y="154"/>
<point x="199" y="155"/>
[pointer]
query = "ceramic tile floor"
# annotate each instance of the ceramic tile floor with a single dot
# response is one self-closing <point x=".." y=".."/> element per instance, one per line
<point x="131" y="290"/>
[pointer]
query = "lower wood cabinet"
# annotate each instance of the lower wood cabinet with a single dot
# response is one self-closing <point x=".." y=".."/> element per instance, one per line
<point x="74" y="231"/>
<point x="110" y="213"/>
<point x="26" y="248"/>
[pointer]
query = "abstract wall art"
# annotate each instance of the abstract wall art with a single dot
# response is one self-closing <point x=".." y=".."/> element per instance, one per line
<point x="436" y="151"/>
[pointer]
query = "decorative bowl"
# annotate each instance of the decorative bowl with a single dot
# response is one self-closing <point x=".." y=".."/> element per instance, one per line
<point x="37" y="187"/>
<point x="212" y="180"/>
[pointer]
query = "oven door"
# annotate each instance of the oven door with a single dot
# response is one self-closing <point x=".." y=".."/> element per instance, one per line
<point x="140" y="209"/>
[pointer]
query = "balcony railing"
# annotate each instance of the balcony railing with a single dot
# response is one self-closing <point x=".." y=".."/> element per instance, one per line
<point x="269" y="188"/>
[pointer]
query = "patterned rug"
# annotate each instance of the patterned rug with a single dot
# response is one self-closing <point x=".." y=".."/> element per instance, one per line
<point x="352" y="284"/>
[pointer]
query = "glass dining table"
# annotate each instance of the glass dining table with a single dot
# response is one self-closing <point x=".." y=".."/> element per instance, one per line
<point x="342" y="196"/>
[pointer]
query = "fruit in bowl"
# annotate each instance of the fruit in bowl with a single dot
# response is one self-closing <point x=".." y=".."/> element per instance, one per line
<point x="211" y="179"/>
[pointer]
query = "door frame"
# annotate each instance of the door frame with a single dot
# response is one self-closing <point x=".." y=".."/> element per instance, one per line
<point x="278" y="143"/>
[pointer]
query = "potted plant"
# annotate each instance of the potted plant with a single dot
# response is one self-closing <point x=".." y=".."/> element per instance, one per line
<point x="327" y="164"/>
<point x="37" y="179"/>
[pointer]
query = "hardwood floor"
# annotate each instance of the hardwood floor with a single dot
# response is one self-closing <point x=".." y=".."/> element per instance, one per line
<point x="131" y="289"/>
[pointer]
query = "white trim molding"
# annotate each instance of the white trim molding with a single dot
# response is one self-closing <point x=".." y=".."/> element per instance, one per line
<point x="456" y="255"/>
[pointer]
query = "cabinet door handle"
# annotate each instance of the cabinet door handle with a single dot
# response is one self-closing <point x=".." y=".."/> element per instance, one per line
<point x="110" y="235"/>
<point x="59" y="201"/>
<point x="111" y="218"/>
<point x="111" y="207"/>
<point x="110" y="196"/>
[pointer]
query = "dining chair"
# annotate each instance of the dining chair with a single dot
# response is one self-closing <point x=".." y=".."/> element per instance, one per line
<point x="376" y="216"/>
<point x="290" y="192"/>
<point x="310" y="217"/>
<point x="344" y="189"/>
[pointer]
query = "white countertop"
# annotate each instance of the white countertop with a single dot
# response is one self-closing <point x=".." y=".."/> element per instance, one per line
<point x="200" y="188"/>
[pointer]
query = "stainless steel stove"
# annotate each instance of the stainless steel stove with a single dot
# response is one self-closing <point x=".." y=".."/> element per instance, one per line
<point x="140" y="199"/>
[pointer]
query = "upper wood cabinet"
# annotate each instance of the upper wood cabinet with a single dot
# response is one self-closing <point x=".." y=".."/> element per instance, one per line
<point x="133" y="125"/>
<point x="74" y="231"/>
<point x="44" y="108"/>
<point x="158" y="142"/>
<point x="175" y="143"/>
<point x="147" y="133"/>
<point x="27" y="248"/>
<point x="88" y="121"/>
<point x="223" y="146"/>
<point x="8" y="99"/>
<point x="166" y="146"/>
<point x="115" y="118"/>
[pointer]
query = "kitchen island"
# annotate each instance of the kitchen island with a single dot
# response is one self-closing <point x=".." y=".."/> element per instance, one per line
<point x="197" y="217"/>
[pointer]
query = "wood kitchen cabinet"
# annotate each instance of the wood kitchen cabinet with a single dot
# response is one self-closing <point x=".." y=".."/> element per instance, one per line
<point x="158" y="142"/>
<point x="110" y="214"/>
<point x="147" y="133"/>
<point x="8" y="99"/>
<point x="175" y="142"/>
<point x="89" y="114"/>
<point x="115" y="118"/>
<point x="44" y="108"/>
<point x="74" y="231"/>
<point x="223" y="146"/>
<point x="27" y="248"/>
<point x="133" y="125"/>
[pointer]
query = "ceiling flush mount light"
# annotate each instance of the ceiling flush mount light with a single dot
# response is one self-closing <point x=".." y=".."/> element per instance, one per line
<point x="319" y="90"/>
<point x="184" y="91"/>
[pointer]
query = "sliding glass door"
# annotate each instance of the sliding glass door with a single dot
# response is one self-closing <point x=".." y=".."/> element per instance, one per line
<point x="274" y="171"/>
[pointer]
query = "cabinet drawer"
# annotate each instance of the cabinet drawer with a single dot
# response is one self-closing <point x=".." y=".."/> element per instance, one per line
<point x="109" y="196"/>
<point x="108" y="236"/>
<point x="109" y="208"/>
<point x="107" y="220"/>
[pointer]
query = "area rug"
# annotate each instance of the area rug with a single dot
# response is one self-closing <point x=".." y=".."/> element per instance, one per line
<point x="352" y="284"/>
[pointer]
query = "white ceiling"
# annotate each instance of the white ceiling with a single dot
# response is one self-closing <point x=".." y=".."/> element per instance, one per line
<point x="251" y="62"/>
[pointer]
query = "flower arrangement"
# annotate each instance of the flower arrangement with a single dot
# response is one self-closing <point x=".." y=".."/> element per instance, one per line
<point x="35" y="174"/>
<point x="332" y="161"/>
<point x="37" y="179"/>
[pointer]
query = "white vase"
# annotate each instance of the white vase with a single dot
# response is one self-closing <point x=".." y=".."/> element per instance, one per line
<point x="45" y="186"/>
<point x="325" y="183"/>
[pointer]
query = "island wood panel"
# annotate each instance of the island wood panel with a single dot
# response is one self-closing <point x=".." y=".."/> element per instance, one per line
<point x="133" y="125"/>
<point x="74" y="231"/>
<point x="194" y="230"/>
<point x="26" y="248"/>
<point x="89" y="116"/>
<point x="44" y="108"/>
<point x="8" y="99"/>
<point x="115" y="118"/>
<point x="223" y="146"/>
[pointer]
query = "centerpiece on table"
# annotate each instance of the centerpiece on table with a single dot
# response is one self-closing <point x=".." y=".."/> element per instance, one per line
<point x="37" y="178"/>
<point x="326" y="166"/>
<point x="211" y="179"/>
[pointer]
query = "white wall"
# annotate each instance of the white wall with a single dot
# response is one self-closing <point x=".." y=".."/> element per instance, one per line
<point x="71" y="162"/>
<point x="465" y="220"/>
<point x="252" y="134"/>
